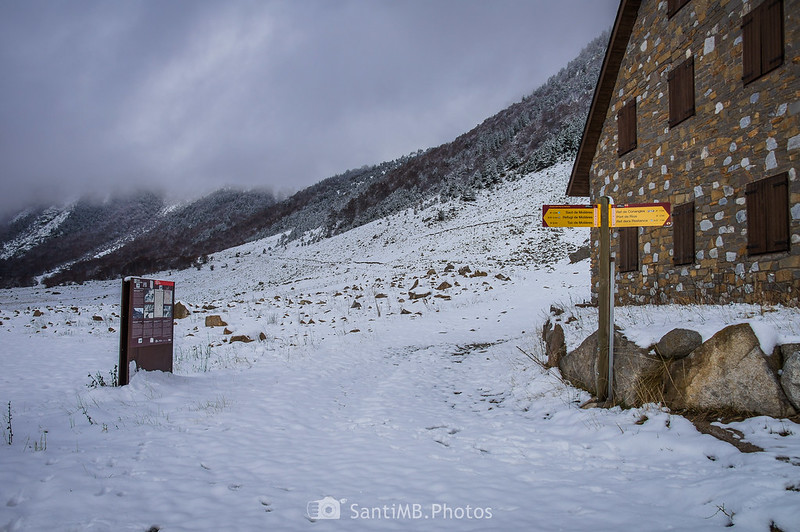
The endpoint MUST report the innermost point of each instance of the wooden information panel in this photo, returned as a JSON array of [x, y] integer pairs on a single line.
[[146, 326]]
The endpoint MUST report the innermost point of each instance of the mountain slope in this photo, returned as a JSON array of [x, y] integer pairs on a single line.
[[529, 135]]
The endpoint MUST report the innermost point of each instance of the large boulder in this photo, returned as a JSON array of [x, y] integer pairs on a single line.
[[638, 375], [579, 366], [678, 343], [790, 379], [728, 374], [215, 320]]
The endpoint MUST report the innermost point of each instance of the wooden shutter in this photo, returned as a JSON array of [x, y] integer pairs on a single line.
[[768, 215], [681, 92], [683, 233], [762, 40], [673, 6], [771, 35], [777, 223], [626, 127], [628, 249], [751, 43]]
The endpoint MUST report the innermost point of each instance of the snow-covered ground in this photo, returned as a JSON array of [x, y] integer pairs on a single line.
[[389, 412]]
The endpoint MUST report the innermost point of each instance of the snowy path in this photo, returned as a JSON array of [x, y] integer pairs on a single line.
[[436, 416]]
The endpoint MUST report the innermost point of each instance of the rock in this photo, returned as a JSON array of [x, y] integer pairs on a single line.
[[404, 311], [355, 304], [464, 270], [414, 295], [97, 318], [555, 346], [215, 320], [431, 272], [582, 253], [479, 273], [37, 313], [241, 338], [638, 375], [227, 331], [727, 374], [444, 286], [381, 296], [262, 336], [502, 277], [449, 267], [579, 365], [790, 379], [179, 311], [556, 311], [678, 343]]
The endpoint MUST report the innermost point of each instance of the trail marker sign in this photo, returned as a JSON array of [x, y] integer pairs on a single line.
[[625, 215], [146, 326], [606, 215]]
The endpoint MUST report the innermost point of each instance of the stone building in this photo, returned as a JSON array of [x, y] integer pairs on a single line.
[[698, 105]]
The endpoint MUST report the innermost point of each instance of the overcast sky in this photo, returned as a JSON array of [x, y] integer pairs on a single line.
[[188, 96]]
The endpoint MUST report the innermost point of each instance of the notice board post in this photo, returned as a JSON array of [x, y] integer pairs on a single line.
[[146, 326]]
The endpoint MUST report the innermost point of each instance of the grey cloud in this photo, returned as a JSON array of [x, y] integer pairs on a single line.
[[188, 96]]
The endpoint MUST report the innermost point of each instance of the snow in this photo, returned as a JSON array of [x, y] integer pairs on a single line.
[[44, 227], [429, 419]]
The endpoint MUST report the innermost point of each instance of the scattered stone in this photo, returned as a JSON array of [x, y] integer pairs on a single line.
[[444, 286], [381, 296], [110, 329], [404, 311], [582, 253], [431, 272], [355, 330], [479, 273], [556, 311], [227, 331], [442, 296], [262, 336], [37, 313], [305, 302], [241, 338], [97, 318], [208, 307], [555, 346], [464, 270], [502, 277], [678, 343], [449, 268], [215, 320], [355, 304], [413, 295], [179, 311], [728, 373]]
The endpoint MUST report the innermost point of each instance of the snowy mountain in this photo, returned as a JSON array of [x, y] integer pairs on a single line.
[[139, 234], [388, 386]]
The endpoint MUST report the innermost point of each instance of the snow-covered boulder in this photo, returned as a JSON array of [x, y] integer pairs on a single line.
[[728, 373]]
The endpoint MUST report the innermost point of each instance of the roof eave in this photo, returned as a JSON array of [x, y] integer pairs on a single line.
[[618, 42]]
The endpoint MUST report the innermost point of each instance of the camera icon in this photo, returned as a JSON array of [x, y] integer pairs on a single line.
[[325, 508]]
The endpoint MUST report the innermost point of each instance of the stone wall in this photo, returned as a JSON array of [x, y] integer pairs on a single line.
[[739, 134]]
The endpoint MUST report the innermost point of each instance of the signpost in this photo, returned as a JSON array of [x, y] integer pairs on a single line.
[[605, 216], [146, 326]]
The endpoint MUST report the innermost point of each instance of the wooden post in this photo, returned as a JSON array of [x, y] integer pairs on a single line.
[[604, 293]]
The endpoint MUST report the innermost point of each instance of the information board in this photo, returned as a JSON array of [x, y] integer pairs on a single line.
[[147, 326]]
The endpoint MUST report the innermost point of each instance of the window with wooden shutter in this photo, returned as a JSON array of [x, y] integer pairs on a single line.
[[626, 127], [683, 233], [628, 260], [681, 92], [768, 215], [673, 6], [762, 40]]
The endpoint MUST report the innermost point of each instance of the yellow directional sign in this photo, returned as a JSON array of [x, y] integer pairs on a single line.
[[641, 215], [626, 215], [569, 216]]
